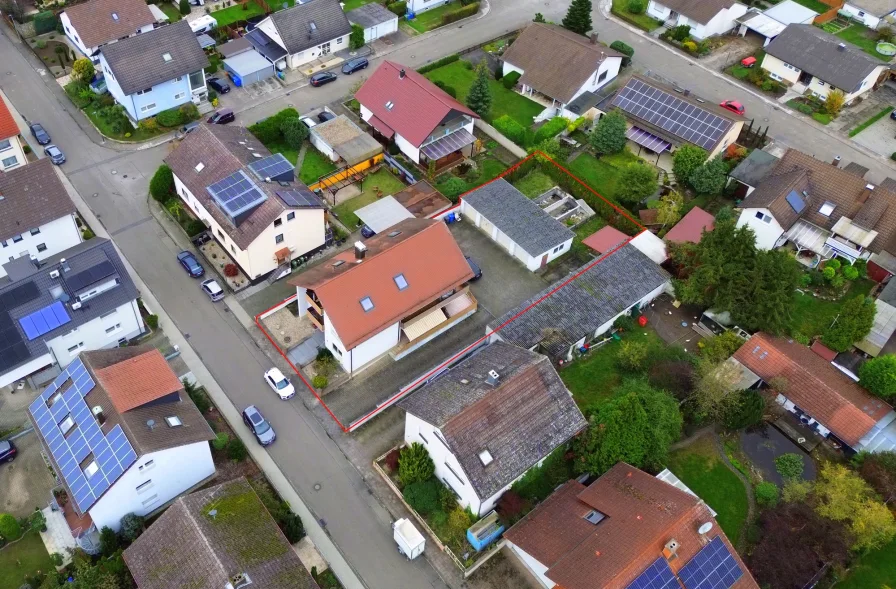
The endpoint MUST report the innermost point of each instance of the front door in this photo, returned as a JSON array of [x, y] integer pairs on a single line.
[[544, 260], [325, 48], [805, 78]]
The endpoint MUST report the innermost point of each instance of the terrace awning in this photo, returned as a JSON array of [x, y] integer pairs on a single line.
[[384, 129], [416, 327], [648, 140], [447, 144]]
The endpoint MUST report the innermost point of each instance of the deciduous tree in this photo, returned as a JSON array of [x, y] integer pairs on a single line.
[[834, 101], [479, 98], [854, 323], [685, 160], [608, 135], [721, 347], [636, 182], [879, 471], [83, 70], [715, 393], [845, 497], [294, 132], [878, 375], [578, 17], [668, 208], [710, 177]]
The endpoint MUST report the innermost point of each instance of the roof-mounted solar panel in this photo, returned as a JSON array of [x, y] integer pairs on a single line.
[[714, 567], [44, 321], [236, 194], [272, 166], [796, 202]]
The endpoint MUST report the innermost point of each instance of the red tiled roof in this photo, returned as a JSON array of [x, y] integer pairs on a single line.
[[138, 380], [384, 129], [814, 385], [605, 239], [8, 126], [691, 227], [419, 105]]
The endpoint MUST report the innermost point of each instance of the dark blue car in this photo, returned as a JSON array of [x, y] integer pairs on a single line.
[[190, 264], [353, 65]]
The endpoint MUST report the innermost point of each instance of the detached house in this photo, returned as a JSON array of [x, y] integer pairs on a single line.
[[425, 123], [706, 18], [627, 530], [561, 69], [95, 23], [155, 71], [122, 436], [389, 295], [872, 13], [810, 59], [298, 35], [251, 200], [12, 152], [489, 419]]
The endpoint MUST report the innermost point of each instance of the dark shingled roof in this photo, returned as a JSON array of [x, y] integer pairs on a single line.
[[310, 24], [95, 25], [819, 53], [32, 195], [187, 547], [138, 62], [519, 421], [701, 11], [754, 168], [518, 217], [370, 15], [856, 169], [605, 288]]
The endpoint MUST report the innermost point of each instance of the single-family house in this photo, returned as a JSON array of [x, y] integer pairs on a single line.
[[211, 539], [561, 69], [388, 295], [376, 20], [769, 23], [250, 199], [93, 24], [489, 419], [424, 122], [691, 227], [819, 393], [343, 141], [884, 321], [662, 118], [825, 211], [155, 71], [626, 530], [122, 436], [422, 200], [298, 35], [558, 321], [811, 59], [751, 171], [872, 13], [37, 217], [416, 6], [707, 18], [517, 224], [12, 151]]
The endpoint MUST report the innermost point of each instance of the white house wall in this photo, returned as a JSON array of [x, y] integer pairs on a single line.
[[298, 59], [767, 234], [380, 30], [537, 569], [658, 11], [365, 352], [15, 151], [408, 148], [123, 323], [867, 19], [56, 236], [267, 27], [323, 147], [424, 5], [721, 23], [170, 471]]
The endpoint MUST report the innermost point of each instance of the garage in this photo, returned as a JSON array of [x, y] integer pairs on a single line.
[[248, 67], [376, 20]]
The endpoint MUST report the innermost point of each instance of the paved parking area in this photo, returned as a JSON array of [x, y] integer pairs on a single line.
[[243, 96], [25, 483], [879, 137]]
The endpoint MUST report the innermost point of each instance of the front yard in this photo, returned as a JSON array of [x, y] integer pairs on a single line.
[[380, 183], [23, 558], [431, 19], [237, 12], [642, 21]]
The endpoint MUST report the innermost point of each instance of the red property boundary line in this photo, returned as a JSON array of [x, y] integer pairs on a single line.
[[391, 400]]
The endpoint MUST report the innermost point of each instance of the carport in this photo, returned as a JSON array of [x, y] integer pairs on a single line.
[[248, 67], [383, 214]]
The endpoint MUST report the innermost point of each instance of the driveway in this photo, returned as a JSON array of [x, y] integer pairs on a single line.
[[879, 137], [25, 483]]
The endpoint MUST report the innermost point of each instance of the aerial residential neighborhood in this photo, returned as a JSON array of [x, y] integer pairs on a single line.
[[448, 294]]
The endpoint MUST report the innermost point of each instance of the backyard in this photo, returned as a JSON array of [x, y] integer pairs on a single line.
[[25, 557], [602, 173], [380, 183], [642, 21], [874, 569], [431, 19], [813, 315], [816, 5], [863, 38], [315, 165], [170, 11], [236, 13], [534, 183], [488, 168]]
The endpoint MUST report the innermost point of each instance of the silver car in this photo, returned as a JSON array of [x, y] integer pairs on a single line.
[[212, 289], [263, 431]]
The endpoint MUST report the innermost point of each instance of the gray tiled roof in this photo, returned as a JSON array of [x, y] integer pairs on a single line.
[[754, 168], [818, 52], [518, 217], [606, 288], [370, 15], [295, 24], [878, 8], [31, 196], [138, 62], [519, 421]]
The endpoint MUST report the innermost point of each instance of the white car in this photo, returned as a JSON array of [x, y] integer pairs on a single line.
[[212, 289], [309, 122], [279, 383]]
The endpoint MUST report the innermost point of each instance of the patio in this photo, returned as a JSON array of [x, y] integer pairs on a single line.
[[673, 322]]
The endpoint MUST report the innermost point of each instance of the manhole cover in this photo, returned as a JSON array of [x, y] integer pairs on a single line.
[[317, 486], [114, 172], [124, 176], [287, 339], [96, 194]]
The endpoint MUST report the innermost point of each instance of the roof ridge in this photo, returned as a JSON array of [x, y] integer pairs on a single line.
[[440, 96], [202, 535], [502, 383]]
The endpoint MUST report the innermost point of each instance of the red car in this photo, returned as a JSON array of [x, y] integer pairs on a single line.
[[734, 106]]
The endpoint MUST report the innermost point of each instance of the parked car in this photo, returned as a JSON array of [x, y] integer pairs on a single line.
[[43, 138], [309, 122], [190, 264], [734, 106], [477, 271], [367, 232], [280, 384], [189, 128], [263, 431], [322, 78], [353, 65], [218, 85], [55, 154], [212, 289], [8, 451], [893, 115], [222, 117], [325, 116]]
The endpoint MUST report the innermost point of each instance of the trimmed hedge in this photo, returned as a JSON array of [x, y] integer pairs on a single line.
[[44, 22], [170, 118], [510, 80], [270, 130], [449, 90], [438, 63], [625, 50], [551, 129], [456, 15], [399, 8], [511, 129]]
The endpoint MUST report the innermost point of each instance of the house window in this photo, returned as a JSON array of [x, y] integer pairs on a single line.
[[74, 349], [775, 76], [278, 238], [148, 107], [390, 105], [145, 91], [557, 249], [147, 465], [151, 500], [339, 41], [440, 438], [820, 83], [400, 281], [35, 231], [861, 13], [457, 476], [602, 76], [5, 144], [17, 239], [10, 162], [179, 79], [4, 243], [233, 249], [447, 484], [290, 216], [367, 304], [166, 57], [278, 222], [173, 421], [91, 469], [827, 208], [221, 234], [109, 314], [422, 437], [144, 486], [336, 350], [763, 217], [113, 329], [66, 424], [179, 95], [41, 247]]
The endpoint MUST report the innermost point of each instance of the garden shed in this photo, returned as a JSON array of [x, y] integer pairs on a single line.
[[376, 20], [341, 139], [248, 67]]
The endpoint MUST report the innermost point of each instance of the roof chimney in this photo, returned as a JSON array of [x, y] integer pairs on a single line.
[[593, 38], [687, 92], [401, 74], [841, 47], [493, 378], [670, 550], [836, 162], [360, 250], [98, 413], [866, 192]]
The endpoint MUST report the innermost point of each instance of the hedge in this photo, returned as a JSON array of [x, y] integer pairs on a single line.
[[170, 118], [456, 15], [399, 8], [449, 90], [438, 63], [511, 129], [269, 130], [44, 22], [551, 129], [625, 50], [510, 80]]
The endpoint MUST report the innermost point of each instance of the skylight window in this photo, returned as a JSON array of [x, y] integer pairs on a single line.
[[166, 57], [200, 166], [594, 516], [394, 233], [91, 469], [338, 263], [827, 208], [173, 421], [366, 304], [114, 16], [67, 424], [401, 282], [390, 105], [485, 457]]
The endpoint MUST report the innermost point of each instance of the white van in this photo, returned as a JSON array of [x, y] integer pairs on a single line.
[[203, 24]]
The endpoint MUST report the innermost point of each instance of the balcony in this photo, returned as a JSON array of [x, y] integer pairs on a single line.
[[429, 322], [317, 319], [844, 248]]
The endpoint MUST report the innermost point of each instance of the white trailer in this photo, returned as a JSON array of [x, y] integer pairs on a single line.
[[410, 541]]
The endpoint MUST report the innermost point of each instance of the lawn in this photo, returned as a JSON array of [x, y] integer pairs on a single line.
[[25, 557], [432, 19], [642, 21], [489, 169], [288, 152], [867, 123], [382, 179], [136, 135], [863, 38], [819, 7], [702, 470], [621, 159], [535, 183], [811, 315], [597, 174], [872, 570], [315, 165], [236, 13], [170, 11], [352, 4], [504, 101]]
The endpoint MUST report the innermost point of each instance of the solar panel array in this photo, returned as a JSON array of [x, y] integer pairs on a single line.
[[44, 321], [236, 193], [113, 452], [271, 166], [657, 576], [670, 113], [299, 197], [12, 347], [712, 568], [81, 280]]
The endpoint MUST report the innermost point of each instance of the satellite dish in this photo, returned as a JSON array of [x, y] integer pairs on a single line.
[[213, 513], [150, 423], [705, 528]]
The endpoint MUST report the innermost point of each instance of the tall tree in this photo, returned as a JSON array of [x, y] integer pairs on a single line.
[[710, 177], [879, 470], [770, 287], [854, 322], [668, 208], [716, 394], [685, 160], [636, 182], [356, 38], [578, 17], [608, 135], [479, 98], [878, 375], [843, 496]]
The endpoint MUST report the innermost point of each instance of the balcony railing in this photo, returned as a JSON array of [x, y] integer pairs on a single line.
[[845, 249], [448, 130]]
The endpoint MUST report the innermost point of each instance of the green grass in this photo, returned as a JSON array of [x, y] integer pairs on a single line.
[[432, 19], [864, 125], [326, 579], [235, 13], [822, 117], [315, 165], [872, 570], [288, 152], [811, 315], [170, 11], [383, 179], [819, 7], [137, 134], [621, 159], [597, 174], [642, 21], [352, 4], [535, 183], [504, 101], [489, 169], [862, 37], [702, 470], [25, 557]]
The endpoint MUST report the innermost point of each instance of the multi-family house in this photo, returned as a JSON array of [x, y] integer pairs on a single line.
[[706, 18], [92, 24], [12, 151]]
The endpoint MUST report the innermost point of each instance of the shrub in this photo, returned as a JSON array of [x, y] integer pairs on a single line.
[[44, 22], [423, 496], [850, 273], [132, 525], [356, 38], [805, 108], [499, 72], [746, 413], [294, 132], [885, 33], [624, 323], [108, 541], [510, 80], [458, 522], [415, 465], [625, 49], [236, 450], [447, 499], [399, 8], [680, 33], [197, 395], [789, 466], [292, 527], [690, 47], [392, 460], [9, 527], [453, 188], [231, 270], [80, 95], [83, 70], [456, 15], [184, 6], [893, 156], [509, 128], [319, 382], [220, 441], [720, 348], [26, 148], [152, 321], [631, 355], [637, 6], [766, 494], [148, 124], [173, 117], [438, 63], [449, 90], [270, 130], [56, 559], [551, 129]]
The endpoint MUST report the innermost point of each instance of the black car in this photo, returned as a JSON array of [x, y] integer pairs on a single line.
[[43, 138], [353, 65], [263, 431], [55, 154], [477, 271], [322, 78], [218, 85], [222, 117], [8, 451], [325, 116], [190, 264], [893, 115]]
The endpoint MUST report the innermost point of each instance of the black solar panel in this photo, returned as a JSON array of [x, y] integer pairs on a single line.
[[271, 166], [13, 350], [81, 280], [299, 197]]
